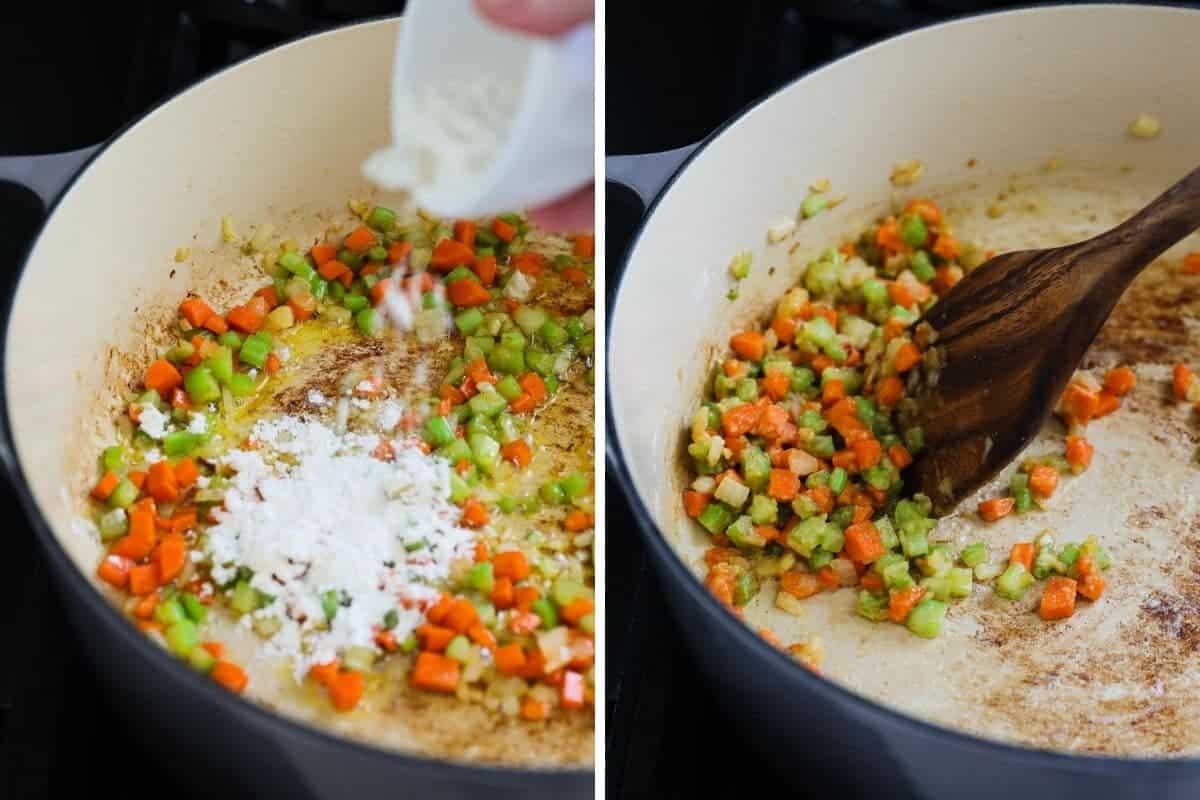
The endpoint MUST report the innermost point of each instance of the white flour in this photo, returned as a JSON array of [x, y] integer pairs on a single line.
[[450, 134], [312, 511]]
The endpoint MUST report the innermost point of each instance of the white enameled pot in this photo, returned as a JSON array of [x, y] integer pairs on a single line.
[[978, 101], [276, 139]]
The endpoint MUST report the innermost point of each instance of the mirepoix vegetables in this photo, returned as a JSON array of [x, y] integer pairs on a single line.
[[514, 627], [798, 449]]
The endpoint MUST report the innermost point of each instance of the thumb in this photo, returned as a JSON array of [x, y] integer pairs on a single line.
[[539, 17]]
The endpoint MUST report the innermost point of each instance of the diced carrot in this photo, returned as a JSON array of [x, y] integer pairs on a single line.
[[783, 485], [162, 377], [216, 649], [823, 497], [900, 456], [509, 659], [1022, 553], [575, 276], [946, 246], [1058, 598], [740, 419], [867, 452], [863, 543], [462, 615], [907, 357], [195, 311], [889, 390], [577, 521], [467, 293], [534, 386], [435, 673], [832, 391], [502, 593], [272, 365], [776, 385], [449, 253], [217, 324], [517, 452], [268, 294], [137, 477], [827, 577], [145, 608], [324, 674], [434, 637], [359, 240], [1120, 381], [522, 404], [1043, 480], [1080, 403], [322, 253], [331, 270], [114, 570], [1191, 263], [161, 483], [303, 307], [845, 459], [464, 231], [504, 230], [485, 268], [785, 329], [480, 635], [1083, 566], [871, 581], [437, 612], [245, 319], [1079, 453], [474, 513], [511, 564], [902, 601], [143, 579], [346, 689], [140, 539], [995, 508], [1106, 403], [529, 262], [925, 209], [1091, 586], [750, 345], [105, 486], [397, 251], [186, 472], [576, 610], [584, 246], [799, 584], [900, 294], [889, 238], [533, 709], [229, 675], [1181, 380], [171, 555]]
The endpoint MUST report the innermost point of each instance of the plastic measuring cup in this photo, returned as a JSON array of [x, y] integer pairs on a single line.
[[541, 140]]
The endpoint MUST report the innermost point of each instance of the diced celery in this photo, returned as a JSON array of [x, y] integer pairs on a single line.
[[1014, 582], [925, 620], [974, 554], [872, 606], [763, 510], [716, 517]]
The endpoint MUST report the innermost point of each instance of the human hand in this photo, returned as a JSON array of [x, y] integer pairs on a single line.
[[575, 211]]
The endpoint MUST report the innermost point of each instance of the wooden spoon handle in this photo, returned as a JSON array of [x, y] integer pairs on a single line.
[[1147, 234]]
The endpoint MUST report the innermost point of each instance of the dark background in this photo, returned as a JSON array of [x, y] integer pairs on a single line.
[[675, 72]]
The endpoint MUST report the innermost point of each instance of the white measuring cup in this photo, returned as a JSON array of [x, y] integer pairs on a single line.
[[484, 119]]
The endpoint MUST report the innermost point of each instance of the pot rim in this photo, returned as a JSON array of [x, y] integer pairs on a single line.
[[130, 637], [674, 573]]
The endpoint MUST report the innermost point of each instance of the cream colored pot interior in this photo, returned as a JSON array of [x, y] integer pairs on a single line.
[[983, 103]]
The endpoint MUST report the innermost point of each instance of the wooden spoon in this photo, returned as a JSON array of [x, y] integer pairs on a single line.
[[1006, 340]]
